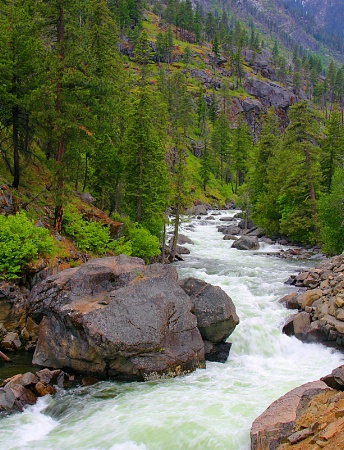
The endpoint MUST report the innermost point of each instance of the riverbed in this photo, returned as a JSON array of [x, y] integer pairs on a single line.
[[212, 408]]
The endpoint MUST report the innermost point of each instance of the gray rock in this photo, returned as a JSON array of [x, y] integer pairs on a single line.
[[182, 250], [214, 309], [336, 379], [181, 240], [270, 94], [246, 243], [116, 317], [86, 197], [217, 352]]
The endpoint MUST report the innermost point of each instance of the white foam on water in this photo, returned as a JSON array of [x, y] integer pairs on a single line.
[[208, 409]]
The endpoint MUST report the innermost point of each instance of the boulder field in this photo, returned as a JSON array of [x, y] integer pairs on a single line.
[[320, 301], [117, 317]]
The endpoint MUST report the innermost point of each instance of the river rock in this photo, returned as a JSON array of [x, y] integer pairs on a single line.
[[277, 422], [322, 298], [214, 309], [246, 243], [229, 229], [11, 341], [182, 239], [217, 352], [116, 317], [336, 379]]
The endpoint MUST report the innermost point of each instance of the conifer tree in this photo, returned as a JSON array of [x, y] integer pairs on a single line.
[[220, 142], [241, 146], [20, 52], [262, 187], [332, 148], [298, 164], [146, 184], [182, 120]]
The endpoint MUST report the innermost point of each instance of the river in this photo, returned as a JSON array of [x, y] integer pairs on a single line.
[[212, 408]]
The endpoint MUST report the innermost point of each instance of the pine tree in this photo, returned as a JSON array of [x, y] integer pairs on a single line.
[[220, 143], [181, 117], [331, 216], [108, 104], [265, 210], [332, 148], [146, 184], [298, 165], [20, 52], [241, 145]]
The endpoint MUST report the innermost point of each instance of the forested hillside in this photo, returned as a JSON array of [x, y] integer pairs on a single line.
[[154, 107]]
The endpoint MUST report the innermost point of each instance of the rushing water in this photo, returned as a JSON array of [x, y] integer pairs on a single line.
[[208, 409]]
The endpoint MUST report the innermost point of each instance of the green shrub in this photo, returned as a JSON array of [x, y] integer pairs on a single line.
[[139, 241], [143, 243], [20, 243], [89, 236]]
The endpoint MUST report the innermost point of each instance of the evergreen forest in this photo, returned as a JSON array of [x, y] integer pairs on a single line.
[[145, 107]]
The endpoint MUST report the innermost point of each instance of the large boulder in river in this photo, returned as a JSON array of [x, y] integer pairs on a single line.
[[246, 243], [214, 309], [116, 317]]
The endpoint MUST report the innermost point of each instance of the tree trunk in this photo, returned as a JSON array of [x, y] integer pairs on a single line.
[[175, 235]]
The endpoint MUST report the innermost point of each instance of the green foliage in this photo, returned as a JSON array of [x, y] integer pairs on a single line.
[[331, 216], [136, 241], [88, 236], [143, 243], [20, 243]]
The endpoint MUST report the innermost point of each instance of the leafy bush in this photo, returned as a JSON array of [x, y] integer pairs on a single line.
[[88, 236], [95, 238], [143, 243], [137, 240], [21, 242]]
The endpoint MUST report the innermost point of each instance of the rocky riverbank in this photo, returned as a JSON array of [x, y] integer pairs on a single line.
[[320, 301], [310, 417]]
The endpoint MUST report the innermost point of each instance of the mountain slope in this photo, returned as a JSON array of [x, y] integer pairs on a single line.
[[316, 25]]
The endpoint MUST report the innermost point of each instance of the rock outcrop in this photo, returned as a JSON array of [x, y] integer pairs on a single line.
[[15, 324], [271, 94], [321, 304], [307, 418], [116, 317], [277, 422]]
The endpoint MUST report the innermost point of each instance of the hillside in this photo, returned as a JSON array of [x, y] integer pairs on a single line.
[[153, 111], [314, 25]]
